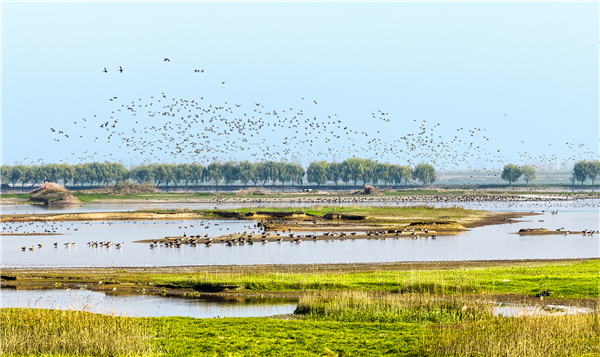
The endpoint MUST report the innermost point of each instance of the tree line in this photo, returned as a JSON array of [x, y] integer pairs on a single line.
[[366, 170], [582, 171], [257, 173]]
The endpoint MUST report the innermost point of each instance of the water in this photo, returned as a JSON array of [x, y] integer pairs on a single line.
[[515, 310], [485, 243], [147, 305], [203, 307]]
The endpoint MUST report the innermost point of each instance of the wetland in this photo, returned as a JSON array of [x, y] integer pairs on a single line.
[[412, 277]]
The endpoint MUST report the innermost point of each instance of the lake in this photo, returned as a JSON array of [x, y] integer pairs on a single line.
[[484, 243]]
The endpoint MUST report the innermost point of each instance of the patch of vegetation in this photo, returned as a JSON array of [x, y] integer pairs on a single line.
[[359, 306], [578, 280], [15, 195], [181, 336], [323, 333], [532, 336], [382, 212], [60, 332]]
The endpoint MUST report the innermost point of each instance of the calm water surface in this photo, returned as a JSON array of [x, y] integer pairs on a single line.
[[146, 305], [485, 243]]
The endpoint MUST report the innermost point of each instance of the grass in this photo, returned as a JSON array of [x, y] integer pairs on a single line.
[[15, 195], [353, 306], [577, 280], [532, 336], [180, 336], [70, 333], [61, 332], [421, 212], [463, 326], [352, 325], [361, 313]]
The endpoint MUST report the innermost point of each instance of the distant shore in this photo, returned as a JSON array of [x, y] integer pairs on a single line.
[[317, 198]]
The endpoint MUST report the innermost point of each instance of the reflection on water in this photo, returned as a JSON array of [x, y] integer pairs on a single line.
[[485, 243], [514, 310], [147, 305]]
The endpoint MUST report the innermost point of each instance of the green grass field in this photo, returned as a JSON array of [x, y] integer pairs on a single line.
[[438, 312], [577, 280]]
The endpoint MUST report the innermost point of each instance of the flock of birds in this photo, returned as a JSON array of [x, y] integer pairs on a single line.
[[167, 129], [541, 206], [266, 237]]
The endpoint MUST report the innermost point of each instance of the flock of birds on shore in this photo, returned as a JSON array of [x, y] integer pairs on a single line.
[[542, 207], [165, 129]]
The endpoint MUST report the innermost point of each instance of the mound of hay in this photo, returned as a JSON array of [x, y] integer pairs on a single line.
[[370, 190], [52, 193], [50, 186]]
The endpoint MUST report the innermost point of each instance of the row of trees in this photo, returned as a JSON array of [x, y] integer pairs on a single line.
[[367, 170], [512, 173], [582, 171], [319, 172], [80, 174], [218, 173], [259, 173]]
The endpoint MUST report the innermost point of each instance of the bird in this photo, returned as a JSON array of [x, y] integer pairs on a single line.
[[105, 71], [120, 69]]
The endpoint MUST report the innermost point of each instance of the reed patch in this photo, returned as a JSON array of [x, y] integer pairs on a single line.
[[27, 331]]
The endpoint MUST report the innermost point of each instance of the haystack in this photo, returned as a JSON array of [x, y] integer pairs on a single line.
[[370, 190], [52, 193]]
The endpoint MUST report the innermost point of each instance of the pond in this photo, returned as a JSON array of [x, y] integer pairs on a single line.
[[147, 305]]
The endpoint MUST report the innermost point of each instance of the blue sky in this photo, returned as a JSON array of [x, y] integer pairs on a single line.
[[522, 76]]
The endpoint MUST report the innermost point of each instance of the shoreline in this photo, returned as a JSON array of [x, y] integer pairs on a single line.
[[330, 197], [308, 267]]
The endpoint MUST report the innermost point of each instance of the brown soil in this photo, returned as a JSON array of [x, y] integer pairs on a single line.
[[98, 216]]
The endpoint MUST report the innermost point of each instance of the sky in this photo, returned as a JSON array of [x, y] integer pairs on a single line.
[[461, 85]]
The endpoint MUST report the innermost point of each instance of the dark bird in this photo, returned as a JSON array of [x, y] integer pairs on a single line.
[[105, 71], [120, 69], [167, 60]]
